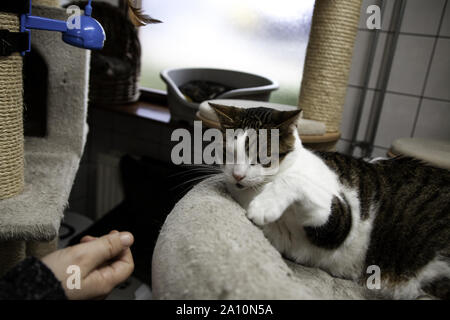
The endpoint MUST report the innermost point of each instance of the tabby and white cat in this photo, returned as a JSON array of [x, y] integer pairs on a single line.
[[343, 214]]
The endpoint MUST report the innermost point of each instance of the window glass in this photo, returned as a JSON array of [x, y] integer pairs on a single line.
[[266, 37]]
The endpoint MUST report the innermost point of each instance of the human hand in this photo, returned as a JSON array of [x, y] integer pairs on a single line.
[[104, 263]]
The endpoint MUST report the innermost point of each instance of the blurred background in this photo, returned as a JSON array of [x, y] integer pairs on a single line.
[[260, 36]]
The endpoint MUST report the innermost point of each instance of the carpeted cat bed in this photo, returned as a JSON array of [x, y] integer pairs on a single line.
[[208, 249]]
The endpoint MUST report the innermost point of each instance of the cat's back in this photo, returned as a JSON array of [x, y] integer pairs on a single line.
[[404, 190], [393, 177], [411, 221]]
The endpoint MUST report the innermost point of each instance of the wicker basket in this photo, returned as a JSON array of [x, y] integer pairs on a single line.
[[115, 70]]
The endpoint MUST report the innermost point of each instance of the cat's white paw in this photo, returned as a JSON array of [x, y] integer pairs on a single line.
[[262, 212]]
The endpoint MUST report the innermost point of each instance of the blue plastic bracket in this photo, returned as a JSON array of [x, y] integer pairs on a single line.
[[90, 35]]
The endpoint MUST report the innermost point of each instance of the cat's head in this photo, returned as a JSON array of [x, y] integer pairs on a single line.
[[274, 133]]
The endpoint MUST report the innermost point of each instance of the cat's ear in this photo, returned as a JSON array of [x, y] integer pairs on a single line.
[[226, 114], [286, 118]]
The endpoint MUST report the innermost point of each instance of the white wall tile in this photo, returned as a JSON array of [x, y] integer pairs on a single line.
[[359, 58], [438, 84], [349, 113], [377, 59], [357, 153], [379, 152], [434, 120], [342, 146], [445, 28], [410, 64], [397, 119], [386, 13], [422, 17], [365, 114], [360, 55], [386, 16]]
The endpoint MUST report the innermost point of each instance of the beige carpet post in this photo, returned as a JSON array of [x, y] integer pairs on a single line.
[[49, 3], [328, 60], [11, 253], [40, 249], [11, 117]]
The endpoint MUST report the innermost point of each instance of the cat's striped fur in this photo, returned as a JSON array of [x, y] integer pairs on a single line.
[[411, 225], [344, 214]]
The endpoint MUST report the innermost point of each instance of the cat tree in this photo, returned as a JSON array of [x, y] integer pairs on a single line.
[[36, 174]]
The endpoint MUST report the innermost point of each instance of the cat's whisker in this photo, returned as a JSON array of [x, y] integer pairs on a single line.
[[200, 165], [213, 177], [197, 170], [191, 172], [194, 180], [202, 168]]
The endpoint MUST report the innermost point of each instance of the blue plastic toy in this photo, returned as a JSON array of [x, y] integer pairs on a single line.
[[90, 35]]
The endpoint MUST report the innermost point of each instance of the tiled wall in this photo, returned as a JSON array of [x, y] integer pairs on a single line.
[[417, 101]]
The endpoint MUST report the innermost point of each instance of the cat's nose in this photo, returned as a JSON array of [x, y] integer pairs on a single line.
[[238, 177]]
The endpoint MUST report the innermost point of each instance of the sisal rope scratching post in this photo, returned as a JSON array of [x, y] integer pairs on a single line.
[[328, 60], [11, 117]]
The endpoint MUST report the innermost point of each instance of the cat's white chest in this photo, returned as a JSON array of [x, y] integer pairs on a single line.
[[242, 196]]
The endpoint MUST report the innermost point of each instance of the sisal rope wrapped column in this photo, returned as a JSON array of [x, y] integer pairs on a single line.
[[328, 60], [11, 117]]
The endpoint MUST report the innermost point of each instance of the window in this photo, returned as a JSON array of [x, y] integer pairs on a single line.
[[266, 37]]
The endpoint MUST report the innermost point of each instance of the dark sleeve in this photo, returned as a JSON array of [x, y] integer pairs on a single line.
[[31, 280]]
